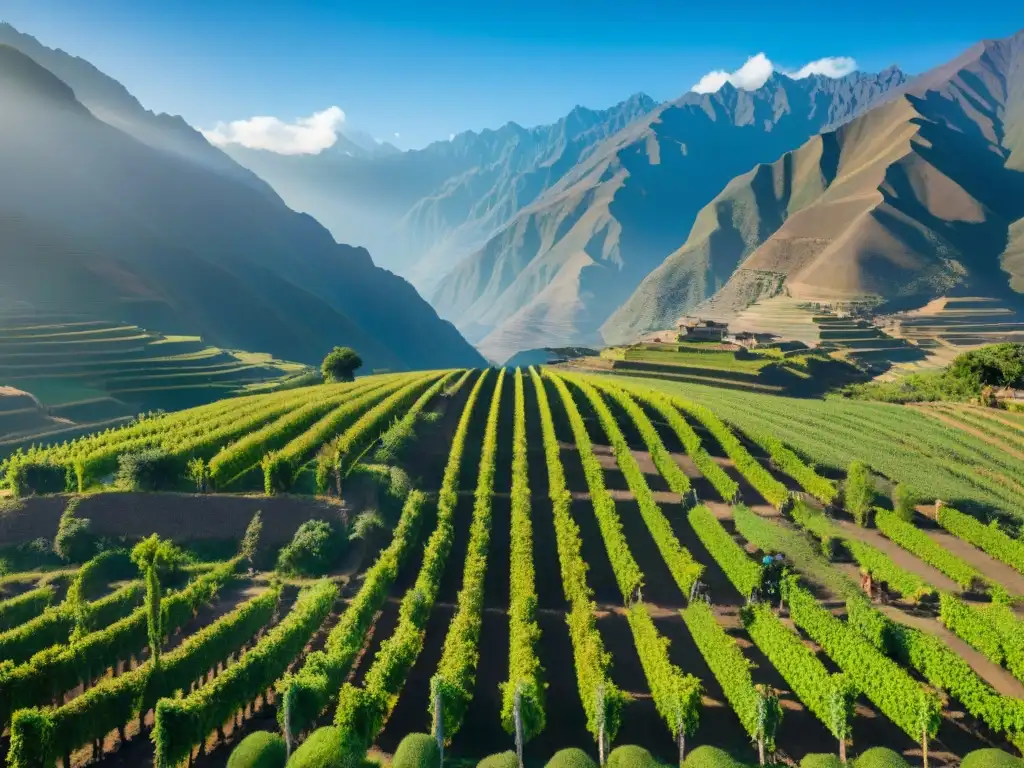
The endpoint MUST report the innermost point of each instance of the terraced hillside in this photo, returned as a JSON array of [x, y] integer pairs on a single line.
[[76, 373], [584, 550]]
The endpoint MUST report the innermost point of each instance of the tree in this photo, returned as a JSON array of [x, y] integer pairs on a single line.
[[904, 502], [151, 556], [859, 491], [251, 539], [341, 364]]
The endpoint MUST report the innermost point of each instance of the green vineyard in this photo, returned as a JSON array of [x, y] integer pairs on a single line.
[[522, 561]]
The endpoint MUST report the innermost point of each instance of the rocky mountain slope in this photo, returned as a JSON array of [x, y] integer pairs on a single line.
[[421, 211], [556, 272], [126, 215], [919, 197]]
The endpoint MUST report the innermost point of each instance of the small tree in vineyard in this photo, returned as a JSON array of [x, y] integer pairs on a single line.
[[859, 491], [842, 699], [341, 364], [153, 555], [904, 502], [769, 715], [251, 539]]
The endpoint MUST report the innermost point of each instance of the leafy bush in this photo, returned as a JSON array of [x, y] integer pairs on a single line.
[[631, 756], [991, 758], [150, 469], [314, 549], [880, 757], [904, 502], [821, 761], [25, 477], [417, 750], [321, 750], [859, 491], [367, 524], [341, 364], [571, 758], [500, 760], [74, 542], [262, 749], [710, 757]]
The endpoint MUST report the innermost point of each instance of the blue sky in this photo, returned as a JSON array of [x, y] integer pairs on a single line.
[[426, 70]]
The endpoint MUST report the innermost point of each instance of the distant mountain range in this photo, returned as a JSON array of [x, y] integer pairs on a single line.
[[113, 211]]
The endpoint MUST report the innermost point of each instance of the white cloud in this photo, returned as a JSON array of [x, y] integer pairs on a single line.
[[304, 136], [398, 135], [451, 137], [757, 69]]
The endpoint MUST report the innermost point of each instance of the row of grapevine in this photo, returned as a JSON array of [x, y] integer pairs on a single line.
[[183, 723], [674, 476], [51, 672], [684, 569], [874, 561], [988, 538], [676, 694], [913, 708], [356, 416], [41, 736], [362, 712], [601, 699], [453, 389], [310, 690], [743, 572], [25, 607], [627, 573], [919, 544], [994, 630], [774, 492], [403, 430], [789, 462], [239, 456], [726, 487], [456, 671], [940, 666], [525, 674], [729, 666], [830, 698]]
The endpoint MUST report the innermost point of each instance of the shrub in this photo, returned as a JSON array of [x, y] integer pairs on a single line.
[[341, 364], [313, 550], [323, 749], [880, 757], [991, 758], [904, 503], [74, 543], [262, 749], [25, 477], [631, 756], [417, 750], [821, 761], [500, 760], [571, 758], [710, 757], [197, 471], [859, 491], [150, 469]]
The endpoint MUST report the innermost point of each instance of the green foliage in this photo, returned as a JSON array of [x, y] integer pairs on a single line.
[[262, 749], [341, 364], [316, 684], [457, 668], [150, 469], [323, 749], [991, 758], [500, 760], [887, 685], [74, 542], [727, 663], [25, 607], [315, 548], [26, 477], [591, 660], [859, 492], [684, 569], [361, 712], [988, 538], [526, 676], [743, 572], [904, 502], [402, 433], [710, 757], [880, 757], [821, 761], [152, 556], [182, 723], [251, 538], [571, 758], [198, 473], [417, 750], [631, 756]]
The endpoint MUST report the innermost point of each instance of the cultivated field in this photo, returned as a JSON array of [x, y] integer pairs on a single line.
[[583, 545]]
